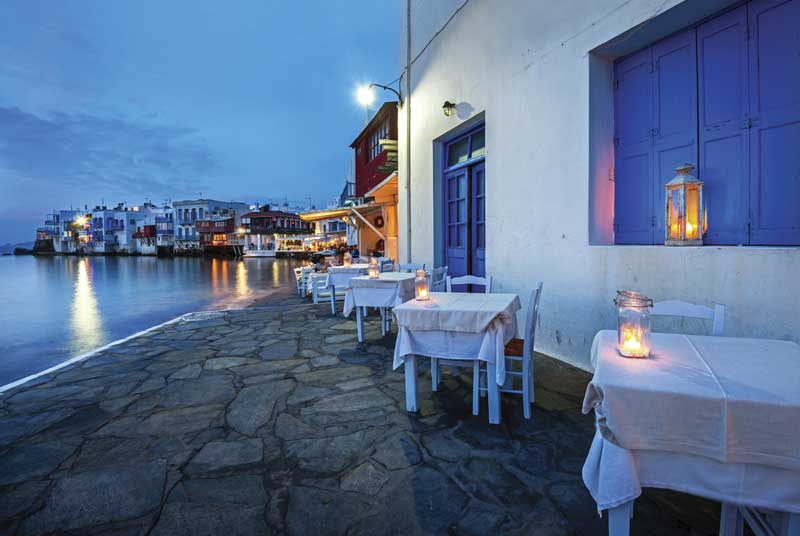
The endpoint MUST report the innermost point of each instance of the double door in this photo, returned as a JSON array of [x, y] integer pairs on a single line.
[[465, 220]]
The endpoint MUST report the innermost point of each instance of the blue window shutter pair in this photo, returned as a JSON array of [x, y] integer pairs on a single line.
[[655, 104], [743, 107]]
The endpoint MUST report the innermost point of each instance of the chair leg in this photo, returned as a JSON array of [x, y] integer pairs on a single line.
[[526, 389], [731, 522], [476, 378], [383, 321], [434, 374], [360, 323], [333, 301]]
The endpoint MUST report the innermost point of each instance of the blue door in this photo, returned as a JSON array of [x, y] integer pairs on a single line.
[[456, 226], [774, 67], [724, 133], [478, 217]]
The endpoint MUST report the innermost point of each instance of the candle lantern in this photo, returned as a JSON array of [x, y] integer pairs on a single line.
[[633, 323], [373, 271], [422, 286], [348, 259], [686, 219]]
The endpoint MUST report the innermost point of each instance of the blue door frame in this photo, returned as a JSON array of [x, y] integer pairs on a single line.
[[464, 205]]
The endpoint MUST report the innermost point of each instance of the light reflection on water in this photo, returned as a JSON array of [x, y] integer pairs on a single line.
[[58, 307]]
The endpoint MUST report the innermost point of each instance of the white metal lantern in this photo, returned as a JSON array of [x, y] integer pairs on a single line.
[[373, 271], [422, 286], [686, 219], [633, 323]]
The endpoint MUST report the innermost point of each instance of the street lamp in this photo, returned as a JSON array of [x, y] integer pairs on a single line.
[[366, 97]]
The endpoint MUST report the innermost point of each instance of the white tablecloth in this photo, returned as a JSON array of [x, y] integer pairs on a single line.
[[729, 399], [712, 416], [339, 276], [389, 290], [457, 326]]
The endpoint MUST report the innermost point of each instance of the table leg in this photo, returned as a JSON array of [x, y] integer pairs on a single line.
[[494, 393], [731, 522], [410, 367], [619, 519], [360, 323], [333, 301], [383, 321], [434, 374]]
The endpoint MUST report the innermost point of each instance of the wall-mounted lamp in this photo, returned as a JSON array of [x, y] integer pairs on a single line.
[[448, 108], [365, 96]]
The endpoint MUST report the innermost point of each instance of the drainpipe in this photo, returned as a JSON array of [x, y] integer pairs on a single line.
[[408, 130]]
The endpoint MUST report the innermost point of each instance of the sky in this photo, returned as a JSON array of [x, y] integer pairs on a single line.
[[130, 100]]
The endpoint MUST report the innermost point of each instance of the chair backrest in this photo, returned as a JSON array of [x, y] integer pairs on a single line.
[[387, 265], [439, 279], [319, 281], [531, 318], [691, 310], [410, 267], [470, 280]]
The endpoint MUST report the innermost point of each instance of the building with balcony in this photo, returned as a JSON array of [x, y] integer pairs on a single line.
[[186, 215], [263, 226]]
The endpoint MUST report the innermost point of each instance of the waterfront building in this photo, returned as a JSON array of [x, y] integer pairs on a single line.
[[260, 228], [71, 226], [145, 236], [187, 214], [541, 138], [370, 213]]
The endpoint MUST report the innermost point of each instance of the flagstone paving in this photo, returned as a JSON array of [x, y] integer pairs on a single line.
[[274, 420]]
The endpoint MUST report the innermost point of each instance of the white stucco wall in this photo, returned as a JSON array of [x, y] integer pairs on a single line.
[[526, 66]]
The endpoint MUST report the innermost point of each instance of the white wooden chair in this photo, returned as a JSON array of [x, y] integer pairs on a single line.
[[298, 278], [439, 279], [386, 265], [436, 363], [516, 351], [486, 282], [411, 268], [691, 310], [305, 273], [320, 291]]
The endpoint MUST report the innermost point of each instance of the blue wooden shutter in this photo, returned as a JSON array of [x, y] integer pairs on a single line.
[[455, 211], [633, 149], [775, 117], [674, 115], [724, 134]]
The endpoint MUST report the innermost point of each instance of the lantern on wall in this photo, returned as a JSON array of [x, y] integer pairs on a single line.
[[633, 323], [686, 219], [373, 271], [422, 286]]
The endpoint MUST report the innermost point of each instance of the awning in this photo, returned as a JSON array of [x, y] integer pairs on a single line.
[[319, 215]]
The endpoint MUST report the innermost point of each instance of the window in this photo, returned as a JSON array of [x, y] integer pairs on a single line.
[[381, 133], [724, 96], [470, 146]]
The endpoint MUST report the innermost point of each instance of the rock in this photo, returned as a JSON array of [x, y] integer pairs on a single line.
[[14, 428], [287, 427], [177, 421], [324, 361], [366, 479], [305, 393], [188, 372], [237, 489], [371, 398], [100, 496], [344, 337], [191, 393], [327, 455], [32, 460], [228, 362], [191, 519], [270, 367], [253, 406], [224, 455], [316, 511], [281, 350], [328, 377], [24, 498], [151, 385], [397, 452], [358, 383]]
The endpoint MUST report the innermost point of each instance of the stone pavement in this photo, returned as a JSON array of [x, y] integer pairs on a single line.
[[274, 420]]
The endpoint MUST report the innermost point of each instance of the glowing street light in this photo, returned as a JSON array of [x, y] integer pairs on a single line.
[[365, 96]]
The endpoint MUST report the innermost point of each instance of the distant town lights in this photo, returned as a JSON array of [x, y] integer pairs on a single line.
[[365, 96]]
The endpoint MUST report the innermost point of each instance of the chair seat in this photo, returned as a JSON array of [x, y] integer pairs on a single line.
[[514, 347]]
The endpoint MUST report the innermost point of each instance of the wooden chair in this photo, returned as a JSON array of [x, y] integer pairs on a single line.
[[411, 268], [320, 290], [386, 265], [436, 363], [305, 273], [470, 280], [298, 278], [439, 279], [516, 351], [691, 310]]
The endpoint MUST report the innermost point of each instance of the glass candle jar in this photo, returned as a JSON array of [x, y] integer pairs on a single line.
[[422, 286], [373, 271], [633, 323], [348, 259]]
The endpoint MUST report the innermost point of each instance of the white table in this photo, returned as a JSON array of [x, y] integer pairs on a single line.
[[711, 416], [339, 276], [457, 326], [389, 290]]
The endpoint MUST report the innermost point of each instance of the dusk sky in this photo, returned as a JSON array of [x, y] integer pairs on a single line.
[[122, 101]]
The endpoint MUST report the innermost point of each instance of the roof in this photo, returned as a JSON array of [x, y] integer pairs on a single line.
[[268, 214], [387, 186], [385, 108]]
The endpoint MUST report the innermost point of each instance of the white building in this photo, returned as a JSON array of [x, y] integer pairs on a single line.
[[568, 118], [188, 213]]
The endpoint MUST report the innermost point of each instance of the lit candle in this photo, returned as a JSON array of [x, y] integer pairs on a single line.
[[632, 342]]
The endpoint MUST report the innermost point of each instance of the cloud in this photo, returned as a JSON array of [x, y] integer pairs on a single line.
[[104, 156]]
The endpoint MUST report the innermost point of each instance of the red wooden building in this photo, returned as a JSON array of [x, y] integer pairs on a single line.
[[373, 161]]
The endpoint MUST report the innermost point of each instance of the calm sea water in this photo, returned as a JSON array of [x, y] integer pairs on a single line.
[[54, 308]]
